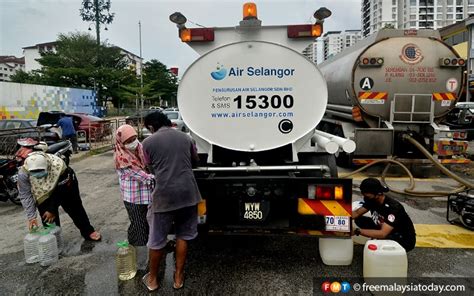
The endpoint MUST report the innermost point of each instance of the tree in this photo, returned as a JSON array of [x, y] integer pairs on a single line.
[[388, 26], [25, 77], [75, 64], [159, 82], [97, 11]]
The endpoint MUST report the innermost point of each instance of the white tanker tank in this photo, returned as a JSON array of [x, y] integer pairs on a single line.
[[252, 96], [252, 102], [392, 82]]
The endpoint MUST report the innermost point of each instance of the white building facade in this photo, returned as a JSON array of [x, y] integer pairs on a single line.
[[33, 53], [9, 65], [332, 43], [336, 41], [413, 14]]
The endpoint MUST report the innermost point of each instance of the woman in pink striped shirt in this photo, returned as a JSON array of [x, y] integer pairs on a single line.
[[136, 185]]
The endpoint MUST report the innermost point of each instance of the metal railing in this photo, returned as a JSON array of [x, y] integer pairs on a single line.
[[9, 138]]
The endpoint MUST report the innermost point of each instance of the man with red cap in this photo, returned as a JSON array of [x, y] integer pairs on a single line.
[[389, 219]]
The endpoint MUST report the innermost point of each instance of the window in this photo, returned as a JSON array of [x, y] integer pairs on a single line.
[[459, 2], [394, 2], [412, 24], [413, 2], [439, 24], [450, 9], [450, 2], [439, 16], [470, 2], [459, 17]]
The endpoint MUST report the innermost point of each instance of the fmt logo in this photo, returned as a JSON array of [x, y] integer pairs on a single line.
[[220, 72], [335, 287]]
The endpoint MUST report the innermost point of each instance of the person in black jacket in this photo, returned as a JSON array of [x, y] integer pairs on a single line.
[[389, 219]]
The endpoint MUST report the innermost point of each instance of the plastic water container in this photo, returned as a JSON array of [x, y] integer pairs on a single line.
[[385, 258], [56, 231], [126, 261], [30, 246], [47, 248], [336, 251]]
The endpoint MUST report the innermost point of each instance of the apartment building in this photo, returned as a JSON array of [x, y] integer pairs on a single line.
[[412, 14], [9, 65]]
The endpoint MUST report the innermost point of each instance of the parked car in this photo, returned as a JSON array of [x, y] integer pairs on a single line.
[[462, 118], [172, 109], [88, 125], [469, 105], [176, 120], [137, 117]]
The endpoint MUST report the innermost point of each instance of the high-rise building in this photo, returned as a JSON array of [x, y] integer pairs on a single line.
[[336, 41], [412, 14], [332, 43]]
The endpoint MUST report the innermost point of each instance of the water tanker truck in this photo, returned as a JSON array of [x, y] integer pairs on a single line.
[[394, 83], [252, 103]]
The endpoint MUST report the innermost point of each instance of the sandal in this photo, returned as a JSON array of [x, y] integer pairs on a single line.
[[94, 236], [145, 282], [177, 287]]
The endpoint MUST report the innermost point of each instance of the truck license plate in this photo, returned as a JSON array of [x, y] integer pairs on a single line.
[[337, 223], [254, 211]]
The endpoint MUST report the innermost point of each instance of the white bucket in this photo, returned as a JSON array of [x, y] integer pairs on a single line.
[[336, 251], [384, 258]]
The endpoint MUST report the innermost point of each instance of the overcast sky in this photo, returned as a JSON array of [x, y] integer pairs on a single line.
[[28, 22]]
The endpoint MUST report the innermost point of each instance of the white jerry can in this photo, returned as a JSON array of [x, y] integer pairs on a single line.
[[384, 258], [336, 251]]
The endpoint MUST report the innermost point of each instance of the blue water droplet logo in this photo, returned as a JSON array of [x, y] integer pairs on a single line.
[[220, 72]]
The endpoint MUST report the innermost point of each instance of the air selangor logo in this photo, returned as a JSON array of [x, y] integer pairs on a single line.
[[220, 72], [280, 73]]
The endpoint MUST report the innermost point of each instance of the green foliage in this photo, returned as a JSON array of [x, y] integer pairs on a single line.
[[388, 26], [78, 62], [159, 82]]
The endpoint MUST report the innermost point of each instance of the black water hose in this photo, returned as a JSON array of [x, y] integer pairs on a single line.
[[410, 189]]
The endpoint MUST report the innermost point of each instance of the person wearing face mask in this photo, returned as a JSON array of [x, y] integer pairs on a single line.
[[389, 219], [45, 182], [136, 185]]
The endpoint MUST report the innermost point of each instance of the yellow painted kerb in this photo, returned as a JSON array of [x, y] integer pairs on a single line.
[[443, 236]]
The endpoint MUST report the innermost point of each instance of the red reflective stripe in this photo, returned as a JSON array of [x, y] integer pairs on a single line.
[[318, 207]]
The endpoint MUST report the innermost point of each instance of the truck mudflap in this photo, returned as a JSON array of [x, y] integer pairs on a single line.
[[275, 204]]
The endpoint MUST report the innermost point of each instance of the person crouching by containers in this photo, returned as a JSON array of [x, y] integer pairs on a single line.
[[45, 182], [389, 219], [136, 186]]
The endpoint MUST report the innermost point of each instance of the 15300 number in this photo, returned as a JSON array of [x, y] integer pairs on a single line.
[[264, 102]]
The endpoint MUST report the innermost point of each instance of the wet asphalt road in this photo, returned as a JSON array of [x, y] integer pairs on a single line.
[[224, 265]]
